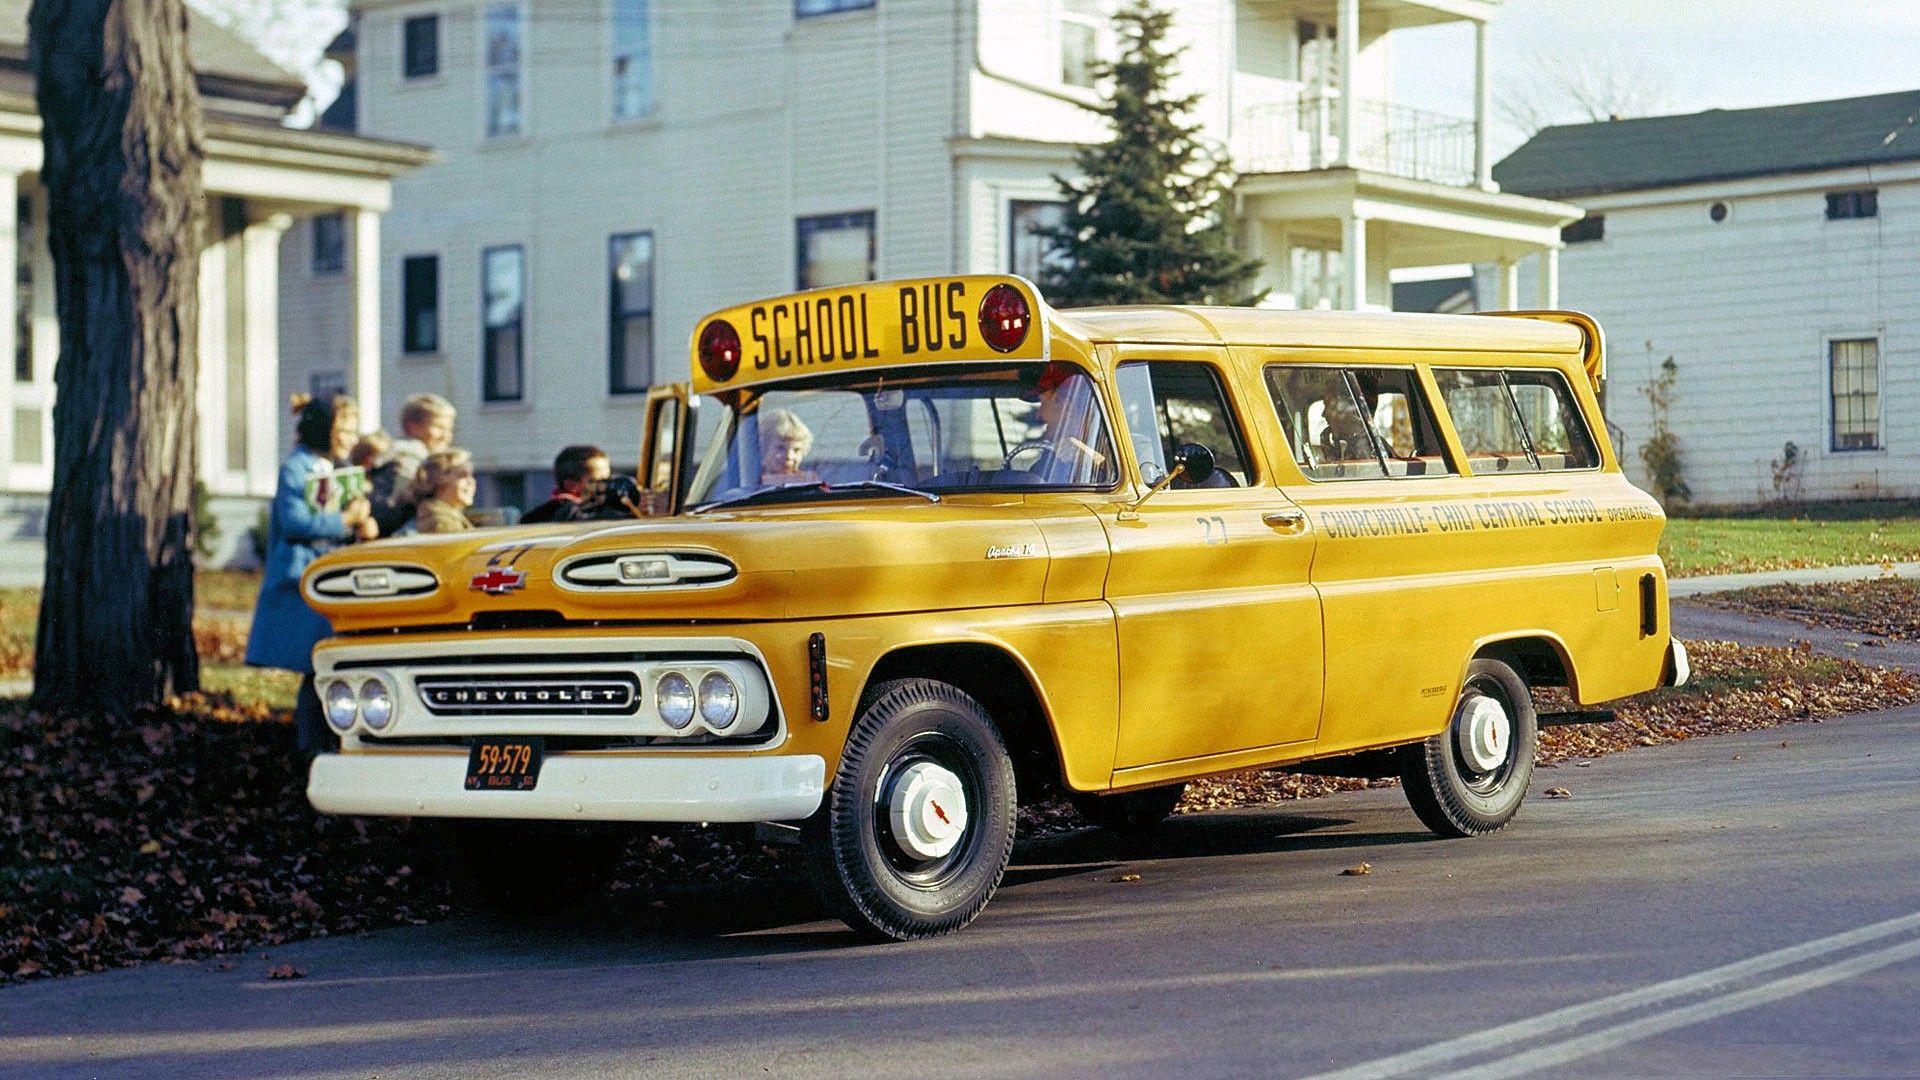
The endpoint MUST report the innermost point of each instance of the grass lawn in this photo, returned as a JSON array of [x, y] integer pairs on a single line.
[[1837, 534], [224, 603]]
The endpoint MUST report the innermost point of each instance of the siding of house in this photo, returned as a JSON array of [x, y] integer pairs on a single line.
[[760, 119], [1745, 306]]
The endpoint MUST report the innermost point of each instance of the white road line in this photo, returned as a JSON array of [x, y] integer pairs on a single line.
[[1634, 1031], [1426, 1058]]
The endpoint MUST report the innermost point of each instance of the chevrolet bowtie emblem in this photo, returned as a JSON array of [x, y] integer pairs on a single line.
[[499, 580]]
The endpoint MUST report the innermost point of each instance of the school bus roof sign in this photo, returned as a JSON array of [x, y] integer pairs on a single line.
[[967, 317]]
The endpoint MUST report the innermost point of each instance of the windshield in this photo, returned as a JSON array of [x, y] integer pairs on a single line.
[[937, 430]]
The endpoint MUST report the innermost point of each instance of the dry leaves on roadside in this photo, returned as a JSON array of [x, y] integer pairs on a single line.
[[1887, 607]]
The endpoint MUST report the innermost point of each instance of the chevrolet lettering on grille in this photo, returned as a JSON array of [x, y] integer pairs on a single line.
[[519, 695]]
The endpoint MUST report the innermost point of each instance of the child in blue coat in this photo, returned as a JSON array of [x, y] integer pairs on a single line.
[[285, 629]]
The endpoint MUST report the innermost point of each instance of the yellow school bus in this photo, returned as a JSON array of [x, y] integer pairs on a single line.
[[947, 549]]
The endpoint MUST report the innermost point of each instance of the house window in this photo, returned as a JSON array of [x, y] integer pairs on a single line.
[[1848, 205], [835, 249], [1030, 252], [1080, 22], [1854, 366], [1586, 230], [329, 243], [506, 76], [420, 304], [503, 304], [804, 8], [24, 240], [630, 307], [632, 60], [420, 46]]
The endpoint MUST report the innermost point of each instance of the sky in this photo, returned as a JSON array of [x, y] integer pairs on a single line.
[[1710, 53]]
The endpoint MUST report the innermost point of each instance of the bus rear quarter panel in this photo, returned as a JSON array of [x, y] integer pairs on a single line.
[[1418, 575]]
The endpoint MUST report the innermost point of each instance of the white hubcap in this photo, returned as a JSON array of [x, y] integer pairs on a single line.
[[928, 810], [1485, 732]]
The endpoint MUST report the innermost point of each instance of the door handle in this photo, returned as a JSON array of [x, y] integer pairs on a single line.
[[1290, 520]]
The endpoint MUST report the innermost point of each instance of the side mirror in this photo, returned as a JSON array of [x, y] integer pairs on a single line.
[[1194, 463]]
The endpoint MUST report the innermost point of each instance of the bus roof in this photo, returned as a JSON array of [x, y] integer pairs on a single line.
[[946, 319]]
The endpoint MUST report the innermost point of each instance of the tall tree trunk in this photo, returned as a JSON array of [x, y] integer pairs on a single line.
[[122, 133]]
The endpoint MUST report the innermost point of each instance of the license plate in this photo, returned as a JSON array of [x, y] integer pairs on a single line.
[[505, 763]]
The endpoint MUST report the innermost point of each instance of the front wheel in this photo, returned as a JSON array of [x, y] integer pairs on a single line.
[[1470, 778], [918, 824]]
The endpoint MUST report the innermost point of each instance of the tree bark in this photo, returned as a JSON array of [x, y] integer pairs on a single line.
[[121, 128]]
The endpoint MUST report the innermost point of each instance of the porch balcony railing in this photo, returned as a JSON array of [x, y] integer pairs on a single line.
[[1304, 134]]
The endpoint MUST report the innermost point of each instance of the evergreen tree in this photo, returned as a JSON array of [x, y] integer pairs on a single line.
[[1150, 221]]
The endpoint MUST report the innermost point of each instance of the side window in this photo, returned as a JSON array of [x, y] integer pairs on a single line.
[[1170, 403], [1357, 423], [1400, 421], [1524, 420], [1553, 420]]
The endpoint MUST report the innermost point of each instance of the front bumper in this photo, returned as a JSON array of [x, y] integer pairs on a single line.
[[574, 787]]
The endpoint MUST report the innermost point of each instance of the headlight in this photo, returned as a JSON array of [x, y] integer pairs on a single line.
[[376, 703], [719, 700], [673, 697], [341, 707]]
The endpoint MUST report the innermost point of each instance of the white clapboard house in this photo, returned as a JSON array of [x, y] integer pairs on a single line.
[[262, 180], [611, 169], [1774, 254]]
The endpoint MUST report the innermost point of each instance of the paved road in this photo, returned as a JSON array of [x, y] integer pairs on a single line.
[[1240, 951]]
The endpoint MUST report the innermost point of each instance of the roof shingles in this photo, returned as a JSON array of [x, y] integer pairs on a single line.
[[1719, 144]]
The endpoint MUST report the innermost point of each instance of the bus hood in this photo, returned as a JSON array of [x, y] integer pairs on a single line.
[[855, 558]]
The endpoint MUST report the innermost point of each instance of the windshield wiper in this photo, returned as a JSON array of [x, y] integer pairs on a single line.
[[814, 485], [756, 496], [882, 485]]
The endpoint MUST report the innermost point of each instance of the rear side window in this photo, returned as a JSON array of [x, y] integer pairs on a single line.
[[1517, 419], [1171, 403], [1357, 423]]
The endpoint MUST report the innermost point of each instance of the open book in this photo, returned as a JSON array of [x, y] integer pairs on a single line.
[[334, 490]]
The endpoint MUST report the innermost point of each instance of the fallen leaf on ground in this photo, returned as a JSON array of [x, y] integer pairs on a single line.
[[1126, 877], [1356, 871], [286, 971], [1558, 793]]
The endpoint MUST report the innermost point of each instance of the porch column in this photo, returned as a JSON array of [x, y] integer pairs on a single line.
[[9, 259], [1347, 41], [1353, 244], [260, 352], [1482, 109], [1509, 285], [1550, 277], [365, 228]]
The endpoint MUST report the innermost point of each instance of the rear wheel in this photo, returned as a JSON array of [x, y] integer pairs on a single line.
[[1470, 778], [918, 824], [1130, 813], [523, 868]]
